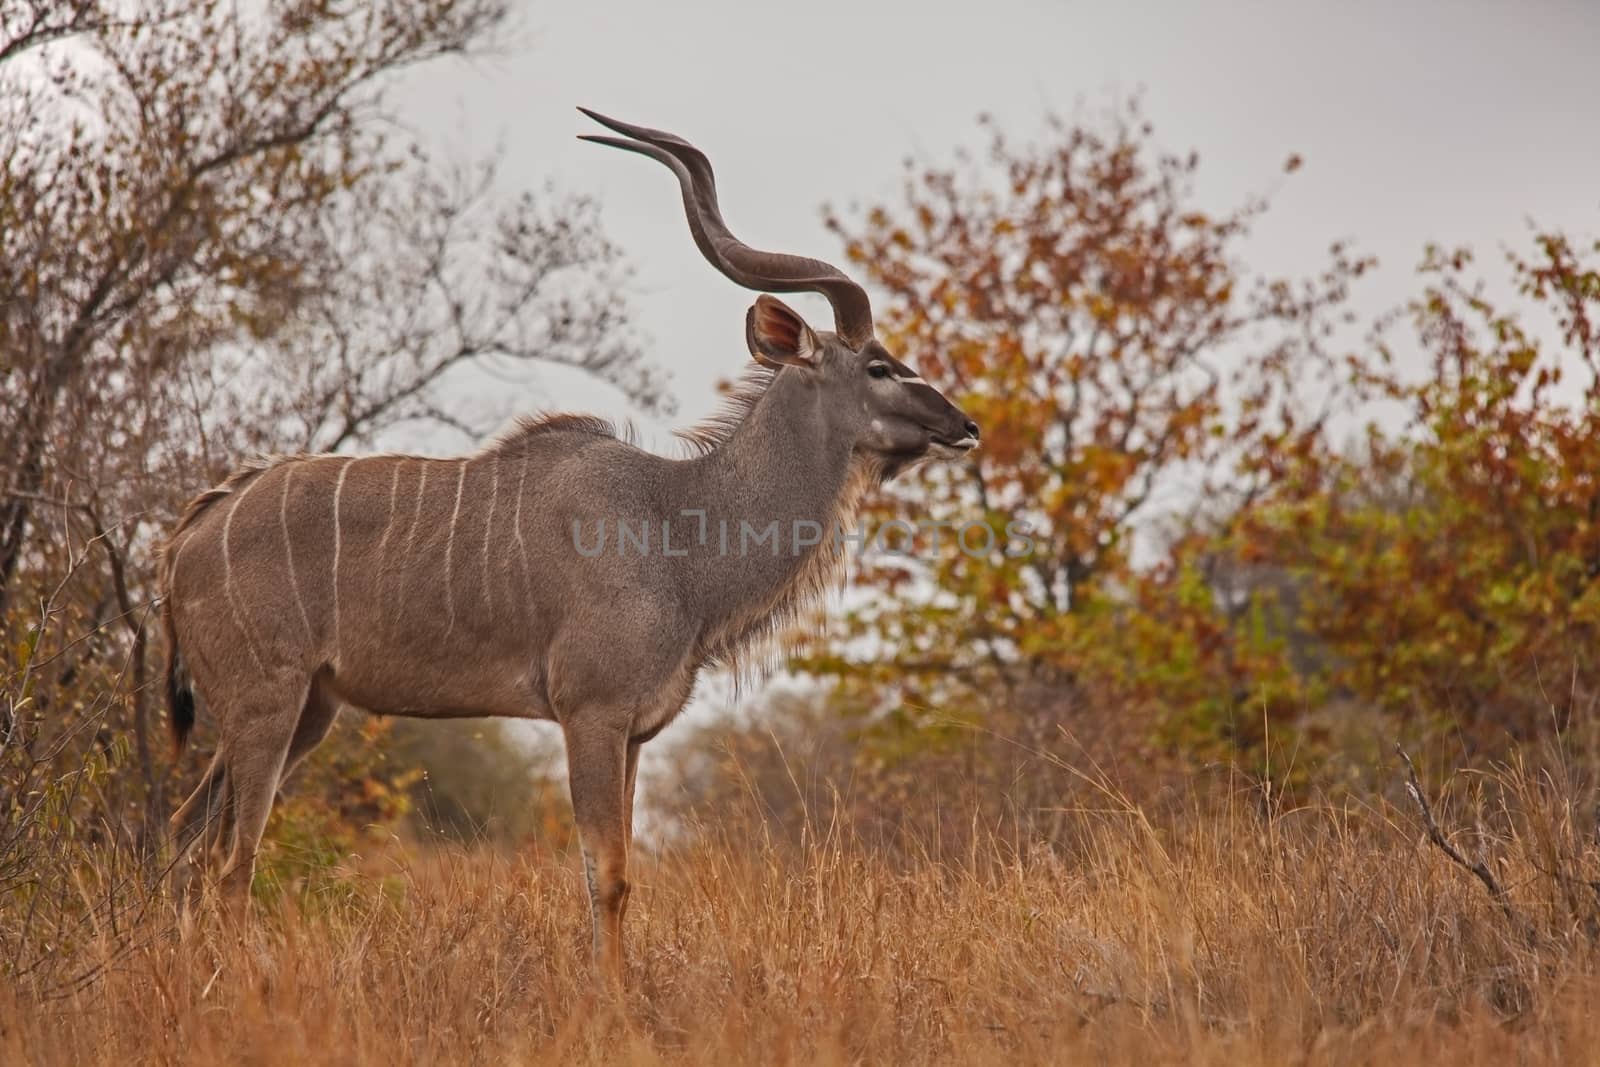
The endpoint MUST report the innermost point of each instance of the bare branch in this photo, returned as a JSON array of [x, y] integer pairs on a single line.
[[1477, 867], [31, 24]]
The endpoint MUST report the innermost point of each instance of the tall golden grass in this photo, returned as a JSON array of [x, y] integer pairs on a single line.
[[1234, 931]]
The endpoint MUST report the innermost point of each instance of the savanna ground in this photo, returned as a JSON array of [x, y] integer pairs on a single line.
[[1237, 931]]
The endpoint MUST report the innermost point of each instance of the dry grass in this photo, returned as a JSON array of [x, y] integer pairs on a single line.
[[1310, 936]]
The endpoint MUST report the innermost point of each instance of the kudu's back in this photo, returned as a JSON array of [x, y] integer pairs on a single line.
[[410, 585]]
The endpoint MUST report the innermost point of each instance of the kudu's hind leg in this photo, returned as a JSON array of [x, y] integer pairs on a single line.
[[597, 759], [195, 820], [217, 842], [629, 775], [316, 719], [259, 729]]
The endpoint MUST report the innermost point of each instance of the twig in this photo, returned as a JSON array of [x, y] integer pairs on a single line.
[[1436, 835]]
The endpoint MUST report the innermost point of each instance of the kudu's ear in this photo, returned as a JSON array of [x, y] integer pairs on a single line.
[[778, 336]]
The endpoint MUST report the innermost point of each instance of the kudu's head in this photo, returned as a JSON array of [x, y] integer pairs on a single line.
[[869, 398]]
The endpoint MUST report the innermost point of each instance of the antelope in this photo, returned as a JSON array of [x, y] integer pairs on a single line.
[[444, 588]]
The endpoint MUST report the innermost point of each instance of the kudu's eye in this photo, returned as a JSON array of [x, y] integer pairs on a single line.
[[878, 369]]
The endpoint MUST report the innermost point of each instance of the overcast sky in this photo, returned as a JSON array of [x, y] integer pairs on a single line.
[[1456, 122]]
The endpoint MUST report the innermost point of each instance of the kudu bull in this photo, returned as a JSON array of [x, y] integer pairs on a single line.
[[468, 587]]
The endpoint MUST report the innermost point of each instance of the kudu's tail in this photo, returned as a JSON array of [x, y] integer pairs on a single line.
[[180, 697]]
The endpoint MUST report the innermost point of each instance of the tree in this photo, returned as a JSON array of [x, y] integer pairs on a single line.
[[1450, 570], [215, 241], [1094, 319]]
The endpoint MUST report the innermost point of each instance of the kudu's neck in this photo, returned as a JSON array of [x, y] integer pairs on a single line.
[[779, 467]]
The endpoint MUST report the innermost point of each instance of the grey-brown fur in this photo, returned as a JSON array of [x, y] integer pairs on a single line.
[[455, 587]]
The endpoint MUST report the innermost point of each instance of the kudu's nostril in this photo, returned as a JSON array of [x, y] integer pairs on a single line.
[[972, 428]]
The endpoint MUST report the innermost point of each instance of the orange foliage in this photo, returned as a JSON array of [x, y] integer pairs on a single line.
[[1076, 300], [1448, 573], [1207, 556]]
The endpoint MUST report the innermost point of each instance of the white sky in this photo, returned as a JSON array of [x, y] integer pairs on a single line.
[[1451, 121]]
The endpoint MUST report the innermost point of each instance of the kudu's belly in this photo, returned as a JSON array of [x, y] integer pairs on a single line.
[[428, 688]]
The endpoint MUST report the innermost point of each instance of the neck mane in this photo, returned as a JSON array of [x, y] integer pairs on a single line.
[[766, 455], [739, 400]]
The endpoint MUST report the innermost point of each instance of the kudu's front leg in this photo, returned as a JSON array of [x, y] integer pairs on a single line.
[[597, 768]]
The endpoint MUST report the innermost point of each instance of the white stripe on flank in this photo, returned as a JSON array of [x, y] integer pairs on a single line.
[[416, 514], [227, 572], [394, 490], [338, 491], [227, 556], [488, 534], [288, 548], [177, 557], [516, 525], [449, 547]]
